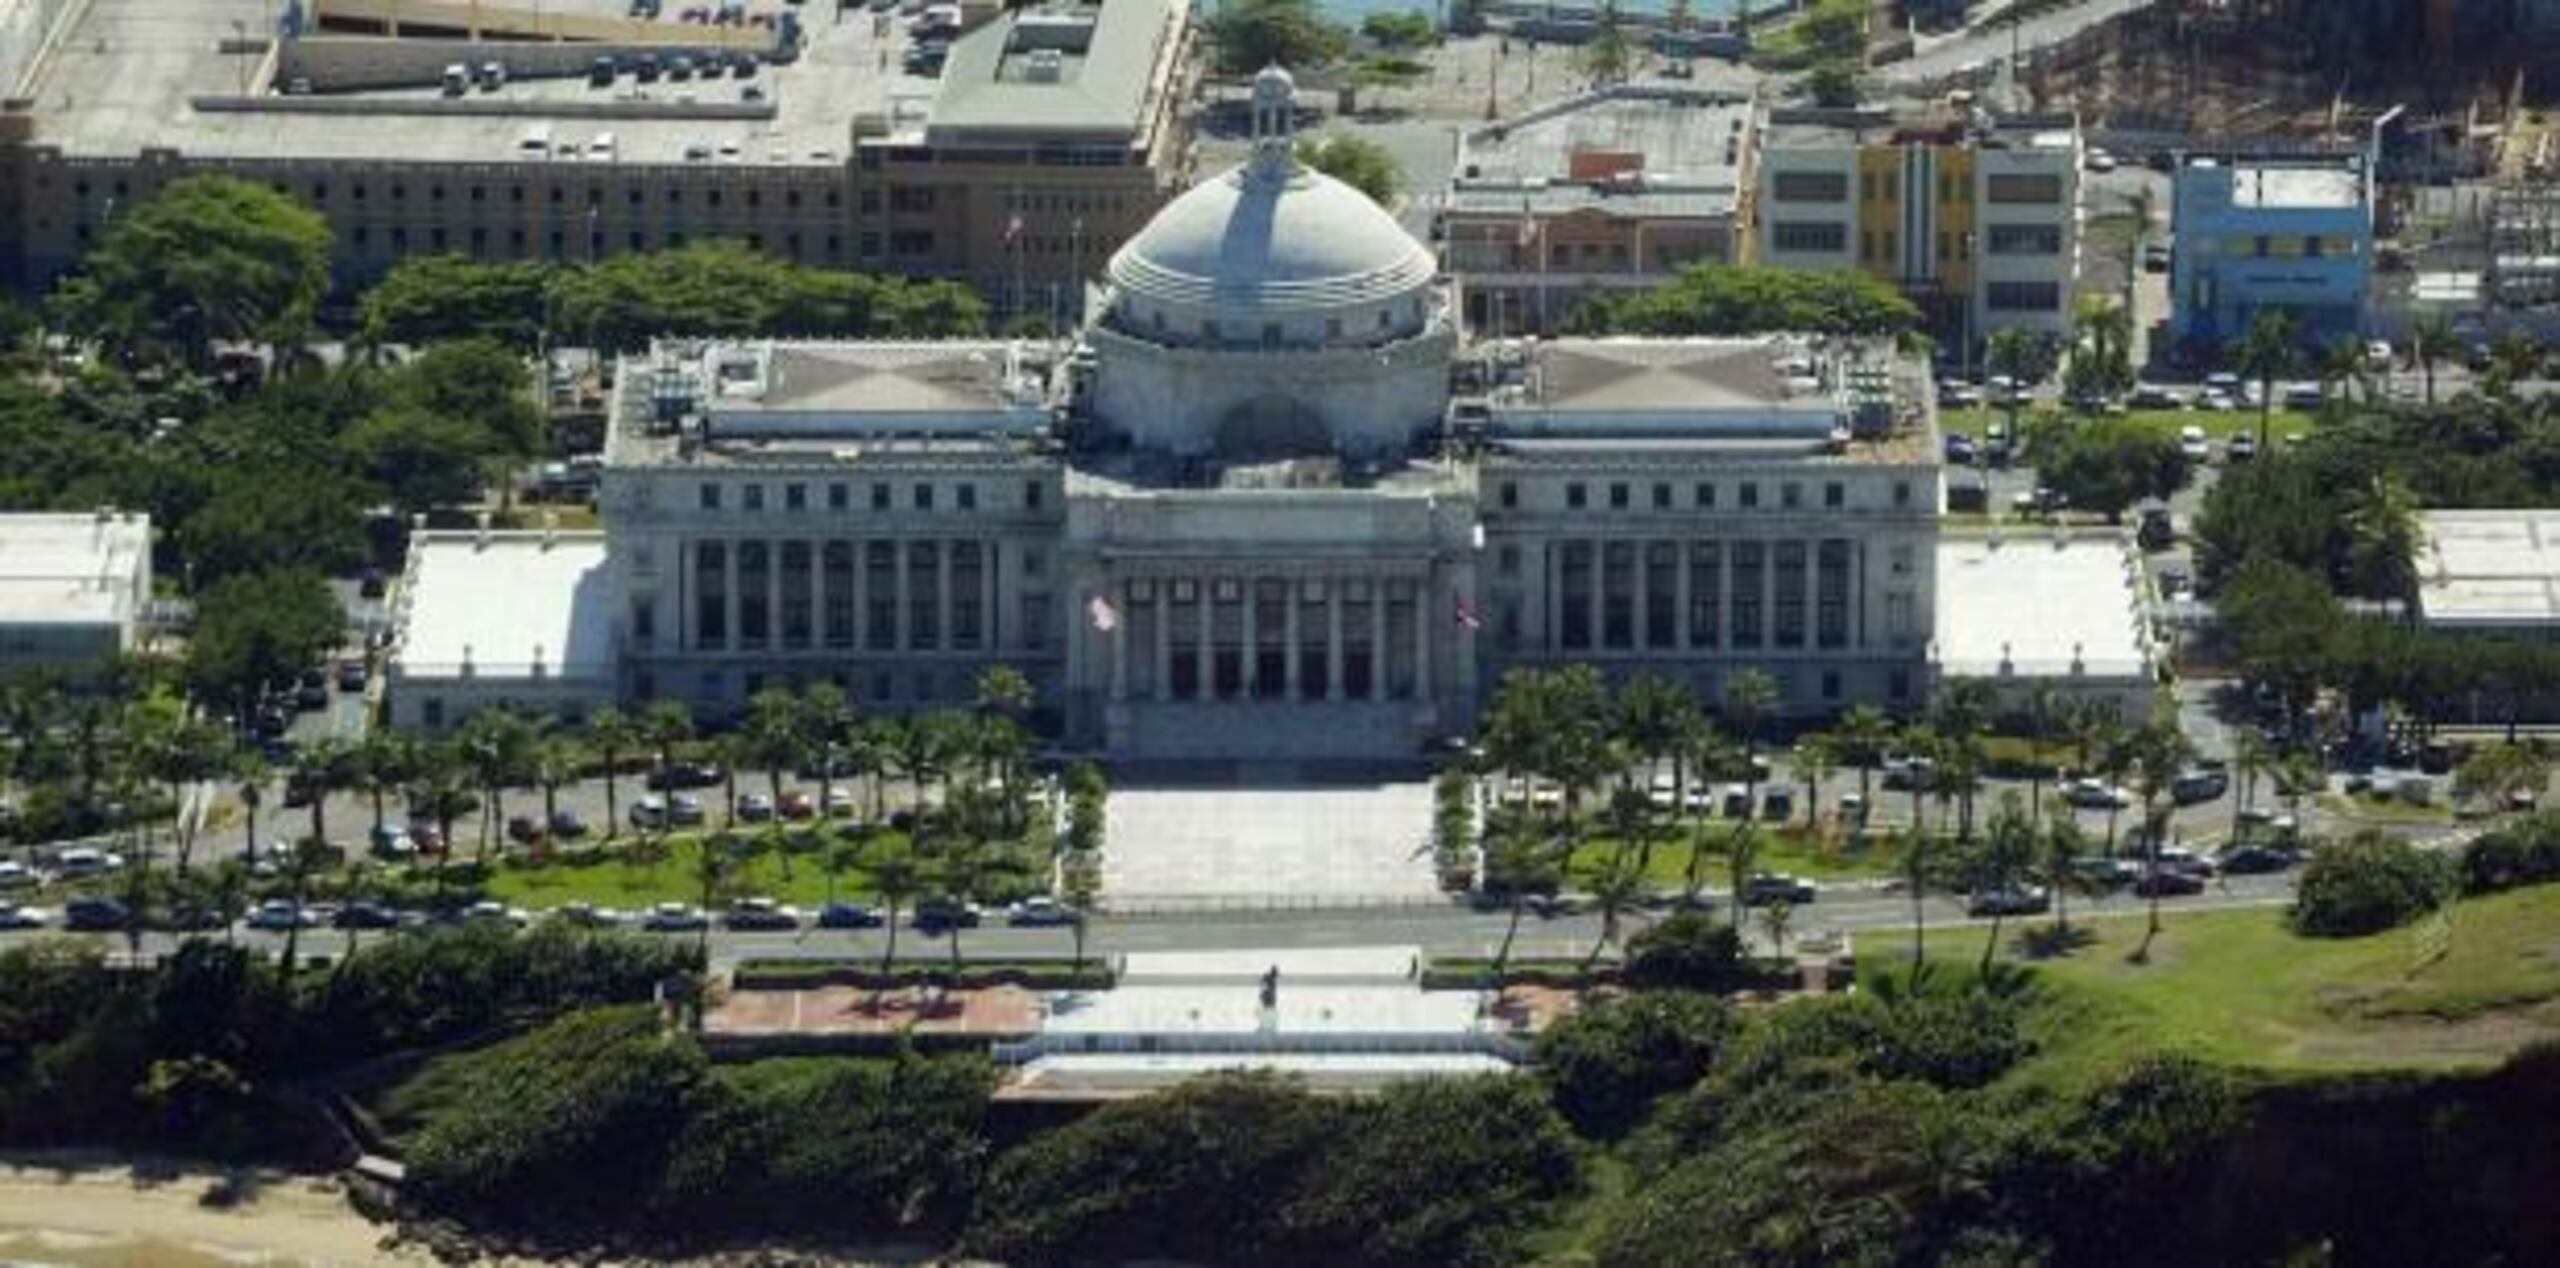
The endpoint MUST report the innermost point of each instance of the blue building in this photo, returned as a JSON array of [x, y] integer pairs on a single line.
[[2290, 233]]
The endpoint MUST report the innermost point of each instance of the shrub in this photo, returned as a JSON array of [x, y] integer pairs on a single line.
[[1689, 952], [1607, 1064], [2366, 884], [2525, 853], [1436, 1172]]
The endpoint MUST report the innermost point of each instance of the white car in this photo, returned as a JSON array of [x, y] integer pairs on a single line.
[[16, 875], [2379, 353], [2192, 444], [2096, 794], [2099, 160], [674, 918], [76, 863]]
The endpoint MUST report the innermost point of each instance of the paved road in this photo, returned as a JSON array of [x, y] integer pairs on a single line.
[[1991, 46], [1449, 930]]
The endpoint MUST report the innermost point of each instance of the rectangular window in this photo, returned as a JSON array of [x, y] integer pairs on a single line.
[[924, 592], [1506, 561], [1575, 496], [835, 561], [751, 498], [880, 591], [839, 496], [2024, 187], [924, 497], [796, 562], [879, 497], [1618, 595], [1750, 494], [795, 497], [755, 581], [1790, 495], [1661, 497], [1617, 497], [1031, 495], [1573, 594], [1809, 235], [710, 494], [1750, 574], [1661, 588], [1510, 495], [1788, 562], [1704, 495], [1902, 493], [1835, 495], [1831, 594], [1809, 187], [1706, 573], [967, 496], [711, 594], [2026, 240], [2023, 297]]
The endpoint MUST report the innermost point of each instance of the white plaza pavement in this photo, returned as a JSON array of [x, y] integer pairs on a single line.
[[1267, 845]]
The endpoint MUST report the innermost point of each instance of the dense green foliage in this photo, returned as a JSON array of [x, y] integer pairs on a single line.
[[2107, 465], [2526, 852], [1253, 1170], [2366, 884], [208, 258], [1689, 951], [257, 629], [1720, 299], [80, 1042], [723, 288], [1356, 161], [1251, 34], [1606, 1064]]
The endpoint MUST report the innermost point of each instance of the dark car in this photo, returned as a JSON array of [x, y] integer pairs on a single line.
[[2203, 783], [2167, 882], [686, 775], [2008, 902], [936, 914], [566, 825], [2250, 860], [94, 915], [760, 914], [351, 675], [185, 918], [1770, 887], [848, 916], [365, 915], [523, 829], [372, 583]]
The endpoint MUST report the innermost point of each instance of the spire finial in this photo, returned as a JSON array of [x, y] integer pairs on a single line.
[[1275, 122]]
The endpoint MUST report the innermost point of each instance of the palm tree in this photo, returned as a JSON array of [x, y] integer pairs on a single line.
[[2515, 355], [2430, 338], [2018, 355], [2382, 532], [250, 771], [1864, 731], [1516, 860], [2342, 362], [1775, 918], [613, 734], [1653, 715], [772, 737], [962, 873], [382, 760], [556, 759], [300, 862], [1004, 700], [496, 746], [896, 877], [663, 726], [2008, 847], [1962, 713], [714, 872], [327, 765], [2251, 759], [2159, 752], [2264, 353], [2060, 842], [1080, 887], [922, 752], [1618, 883], [1709, 751], [1741, 856], [1915, 876], [2044, 713], [826, 724], [1816, 758]]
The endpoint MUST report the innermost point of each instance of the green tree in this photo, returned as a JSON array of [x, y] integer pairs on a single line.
[[2431, 339], [1410, 29], [2107, 465], [772, 737], [209, 258], [613, 735], [1356, 161], [897, 877], [2383, 532], [496, 747], [1863, 733], [2266, 353], [2102, 350], [2021, 355], [1251, 34], [1453, 827], [259, 628], [423, 461], [1720, 299], [428, 298], [2366, 884], [1609, 55], [1832, 83], [2007, 850]]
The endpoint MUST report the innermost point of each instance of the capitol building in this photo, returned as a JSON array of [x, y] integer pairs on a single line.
[[1268, 504]]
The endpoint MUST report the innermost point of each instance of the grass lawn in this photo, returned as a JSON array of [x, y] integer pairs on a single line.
[[2237, 986], [1792, 848], [2381, 809], [1976, 421], [619, 878]]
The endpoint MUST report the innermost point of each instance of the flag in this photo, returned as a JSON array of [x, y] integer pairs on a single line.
[[1106, 618], [1467, 614], [1012, 228], [1528, 229]]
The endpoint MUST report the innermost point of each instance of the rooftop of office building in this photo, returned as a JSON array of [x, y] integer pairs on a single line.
[[65, 568], [714, 401], [2290, 184], [1650, 149], [1813, 127], [225, 79]]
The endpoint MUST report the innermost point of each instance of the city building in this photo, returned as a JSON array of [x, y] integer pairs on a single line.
[[1612, 190], [2064, 612], [2269, 234], [570, 131], [2494, 572], [1266, 505], [1973, 215], [74, 588]]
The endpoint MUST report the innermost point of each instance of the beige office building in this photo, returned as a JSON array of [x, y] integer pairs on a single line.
[[820, 146]]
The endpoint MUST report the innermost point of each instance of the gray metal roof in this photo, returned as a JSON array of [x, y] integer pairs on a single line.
[[991, 83]]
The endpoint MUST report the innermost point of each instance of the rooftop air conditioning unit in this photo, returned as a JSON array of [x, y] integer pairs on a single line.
[[1044, 66]]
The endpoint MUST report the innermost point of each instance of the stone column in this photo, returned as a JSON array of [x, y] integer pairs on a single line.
[[1424, 613], [1640, 597], [989, 595], [1251, 659], [730, 582], [903, 617], [942, 604], [1813, 595], [817, 594], [1681, 596], [1333, 638], [1163, 590], [1119, 636], [1551, 596], [1723, 632], [1769, 599], [1205, 653], [1289, 641], [773, 594], [861, 593], [1595, 620], [1378, 639]]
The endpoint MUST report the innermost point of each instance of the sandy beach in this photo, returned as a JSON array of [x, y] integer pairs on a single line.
[[105, 1214]]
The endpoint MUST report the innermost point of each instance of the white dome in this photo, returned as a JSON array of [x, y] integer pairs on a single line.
[[1256, 242]]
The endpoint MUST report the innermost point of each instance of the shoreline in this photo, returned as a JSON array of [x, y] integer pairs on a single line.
[[99, 1208]]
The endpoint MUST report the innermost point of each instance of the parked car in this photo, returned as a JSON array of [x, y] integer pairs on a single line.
[[676, 775], [351, 675], [2032, 900], [583, 915], [841, 804], [933, 915], [2104, 873], [279, 914], [649, 812], [674, 918], [2153, 396], [797, 807], [848, 916], [365, 915], [2096, 794], [684, 809], [755, 808], [566, 825], [82, 862], [2193, 446], [427, 837], [1904, 772], [2253, 860], [1777, 887], [760, 914], [2167, 882], [523, 829], [94, 915], [2198, 784], [2242, 448], [13, 916], [1039, 911], [391, 841], [16, 875], [486, 912]]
